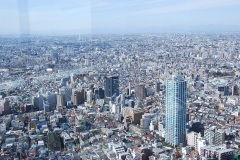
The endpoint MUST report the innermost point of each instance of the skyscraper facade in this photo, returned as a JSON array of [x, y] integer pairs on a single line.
[[111, 86], [176, 94], [140, 91]]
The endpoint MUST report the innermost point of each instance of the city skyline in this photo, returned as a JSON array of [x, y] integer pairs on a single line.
[[114, 17]]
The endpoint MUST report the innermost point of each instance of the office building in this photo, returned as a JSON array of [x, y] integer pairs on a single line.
[[123, 99], [72, 77], [5, 107], [64, 81], [100, 93], [89, 96], [176, 94], [82, 95], [157, 87], [224, 90], [28, 107], [61, 100], [140, 91], [68, 93], [38, 102], [46, 107], [116, 108], [111, 86], [145, 122], [133, 115], [55, 55], [91, 87], [129, 88], [235, 90], [52, 100], [131, 103], [77, 96]]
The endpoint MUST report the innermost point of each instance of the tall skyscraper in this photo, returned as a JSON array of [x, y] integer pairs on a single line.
[[55, 55], [176, 94], [111, 86], [157, 87], [140, 91], [100, 93], [89, 96]]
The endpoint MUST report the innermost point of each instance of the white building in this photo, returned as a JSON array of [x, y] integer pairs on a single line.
[[161, 129], [115, 108], [192, 139], [89, 96], [200, 143], [151, 126]]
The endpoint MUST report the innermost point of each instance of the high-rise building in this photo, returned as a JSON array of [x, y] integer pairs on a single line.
[[38, 102], [72, 78], [140, 91], [129, 88], [28, 107], [75, 97], [131, 103], [123, 99], [55, 55], [219, 137], [89, 96], [235, 90], [209, 136], [46, 107], [61, 100], [52, 100], [100, 93], [133, 114], [91, 87], [176, 94], [157, 87], [192, 139], [111, 86], [78, 96], [5, 107]]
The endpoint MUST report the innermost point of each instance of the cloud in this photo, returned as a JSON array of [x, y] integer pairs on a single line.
[[190, 5]]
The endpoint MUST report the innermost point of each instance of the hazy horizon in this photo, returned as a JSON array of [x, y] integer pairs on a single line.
[[117, 17]]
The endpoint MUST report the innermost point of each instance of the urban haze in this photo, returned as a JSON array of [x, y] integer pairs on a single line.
[[119, 80]]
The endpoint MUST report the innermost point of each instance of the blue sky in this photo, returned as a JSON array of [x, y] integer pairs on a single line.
[[117, 16]]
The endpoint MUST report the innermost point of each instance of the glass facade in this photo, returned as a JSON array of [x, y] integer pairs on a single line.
[[176, 94], [111, 86]]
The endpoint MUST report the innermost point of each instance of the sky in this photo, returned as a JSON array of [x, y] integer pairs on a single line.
[[118, 16]]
